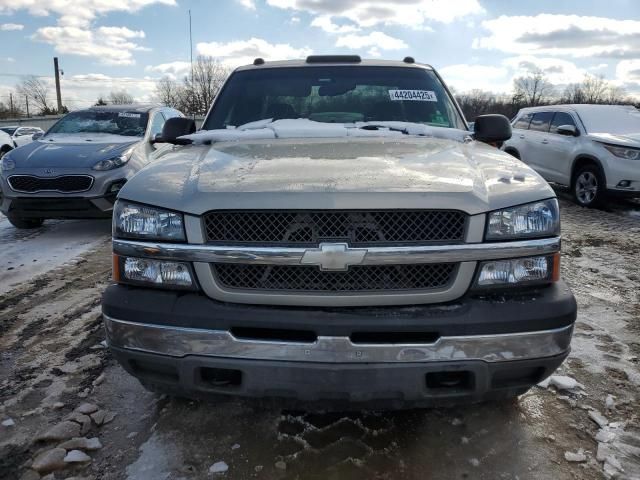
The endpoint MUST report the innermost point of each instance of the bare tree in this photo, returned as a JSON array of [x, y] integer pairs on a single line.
[[100, 102], [120, 98], [594, 88], [171, 93], [534, 89], [37, 91], [208, 77], [616, 96]]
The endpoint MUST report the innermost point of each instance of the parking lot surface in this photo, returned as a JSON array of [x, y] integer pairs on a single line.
[[52, 361]]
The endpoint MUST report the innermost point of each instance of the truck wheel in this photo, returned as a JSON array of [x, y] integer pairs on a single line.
[[588, 186], [25, 223]]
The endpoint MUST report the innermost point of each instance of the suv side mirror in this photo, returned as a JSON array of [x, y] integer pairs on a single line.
[[36, 136], [568, 130], [176, 127], [492, 128]]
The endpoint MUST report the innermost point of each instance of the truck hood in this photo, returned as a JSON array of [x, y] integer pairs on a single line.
[[70, 153], [336, 173]]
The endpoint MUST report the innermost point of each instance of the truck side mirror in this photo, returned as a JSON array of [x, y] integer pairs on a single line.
[[492, 128], [176, 127]]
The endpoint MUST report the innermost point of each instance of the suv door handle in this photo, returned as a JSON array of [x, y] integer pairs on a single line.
[[545, 141]]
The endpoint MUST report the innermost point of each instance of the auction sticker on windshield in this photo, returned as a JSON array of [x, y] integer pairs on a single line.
[[413, 95], [129, 115]]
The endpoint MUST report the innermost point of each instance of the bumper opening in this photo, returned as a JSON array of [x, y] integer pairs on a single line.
[[155, 371], [448, 382], [220, 377], [390, 338], [272, 334]]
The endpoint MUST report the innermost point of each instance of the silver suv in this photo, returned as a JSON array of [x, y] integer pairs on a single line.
[[594, 149], [334, 233]]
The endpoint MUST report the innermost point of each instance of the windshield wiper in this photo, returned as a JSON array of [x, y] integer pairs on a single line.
[[384, 127]]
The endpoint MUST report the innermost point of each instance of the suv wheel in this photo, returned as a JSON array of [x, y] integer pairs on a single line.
[[588, 186], [24, 223]]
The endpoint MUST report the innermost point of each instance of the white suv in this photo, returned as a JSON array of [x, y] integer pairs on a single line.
[[594, 149]]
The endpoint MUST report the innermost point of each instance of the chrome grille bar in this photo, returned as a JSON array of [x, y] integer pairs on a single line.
[[467, 252]]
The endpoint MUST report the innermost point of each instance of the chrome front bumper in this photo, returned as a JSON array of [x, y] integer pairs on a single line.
[[181, 342]]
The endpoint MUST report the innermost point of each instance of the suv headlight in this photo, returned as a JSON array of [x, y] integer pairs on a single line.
[[624, 152], [532, 220], [136, 221], [7, 163], [115, 162]]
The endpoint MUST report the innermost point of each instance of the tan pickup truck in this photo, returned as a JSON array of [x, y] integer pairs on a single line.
[[335, 233]]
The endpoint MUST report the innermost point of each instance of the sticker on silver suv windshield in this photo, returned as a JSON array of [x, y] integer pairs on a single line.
[[413, 95], [129, 115]]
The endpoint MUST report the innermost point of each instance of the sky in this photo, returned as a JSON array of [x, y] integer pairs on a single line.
[[106, 45]]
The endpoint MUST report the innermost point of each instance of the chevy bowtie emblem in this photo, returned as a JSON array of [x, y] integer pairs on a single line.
[[333, 256]]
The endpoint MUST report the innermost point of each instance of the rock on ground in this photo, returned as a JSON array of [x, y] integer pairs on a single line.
[[81, 443], [61, 431], [218, 467], [77, 456], [49, 460]]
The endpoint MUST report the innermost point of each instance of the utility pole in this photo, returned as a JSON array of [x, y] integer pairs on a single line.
[[11, 103], [58, 94], [26, 100], [193, 88]]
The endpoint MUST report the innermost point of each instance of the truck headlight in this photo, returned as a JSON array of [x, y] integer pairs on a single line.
[[624, 152], [151, 272], [135, 221], [115, 162], [537, 219], [519, 271], [7, 163]]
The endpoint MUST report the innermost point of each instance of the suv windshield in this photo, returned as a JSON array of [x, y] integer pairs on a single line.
[[130, 124], [335, 95]]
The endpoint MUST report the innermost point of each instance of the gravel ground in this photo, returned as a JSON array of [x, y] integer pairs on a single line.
[[54, 369]]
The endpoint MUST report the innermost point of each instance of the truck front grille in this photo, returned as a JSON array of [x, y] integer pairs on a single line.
[[359, 278], [64, 183], [357, 227]]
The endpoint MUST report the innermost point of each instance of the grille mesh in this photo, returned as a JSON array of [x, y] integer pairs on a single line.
[[359, 278], [308, 228], [65, 183]]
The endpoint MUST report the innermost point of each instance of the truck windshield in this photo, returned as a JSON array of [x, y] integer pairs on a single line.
[[129, 124], [343, 94]]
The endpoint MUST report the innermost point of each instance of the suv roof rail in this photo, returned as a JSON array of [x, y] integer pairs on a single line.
[[409, 60], [334, 59], [258, 61]]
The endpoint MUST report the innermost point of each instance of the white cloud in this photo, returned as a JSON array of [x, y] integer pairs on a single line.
[[379, 40], [75, 32], [80, 91], [325, 23], [557, 71], [628, 71], [373, 52], [241, 52], [571, 35], [9, 27], [110, 45], [464, 77], [294, 20], [10, 59], [369, 13], [173, 70], [249, 4]]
